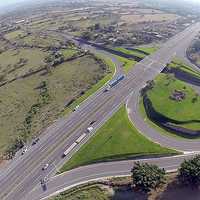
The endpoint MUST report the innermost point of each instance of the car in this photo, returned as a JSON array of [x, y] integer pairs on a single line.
[[106, 89], [92, 122], [25, 149], [90, 129], [43, 180], [36, 141], [45, 166], [76, 108]]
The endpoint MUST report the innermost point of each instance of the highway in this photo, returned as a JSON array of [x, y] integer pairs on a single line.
[[25, 173]]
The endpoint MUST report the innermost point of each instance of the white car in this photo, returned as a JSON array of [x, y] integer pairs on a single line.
[[45, 166], [76, 108], [90, 129]]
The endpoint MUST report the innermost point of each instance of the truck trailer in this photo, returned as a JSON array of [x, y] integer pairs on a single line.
[[114, 82]]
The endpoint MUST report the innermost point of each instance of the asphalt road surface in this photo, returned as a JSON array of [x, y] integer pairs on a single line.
[[25, 173], [95, 172]]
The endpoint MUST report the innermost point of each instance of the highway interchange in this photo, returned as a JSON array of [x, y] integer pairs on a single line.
[[24, 173]]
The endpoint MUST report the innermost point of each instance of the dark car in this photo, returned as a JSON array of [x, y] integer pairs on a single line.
[[36, 141], [92, 122]]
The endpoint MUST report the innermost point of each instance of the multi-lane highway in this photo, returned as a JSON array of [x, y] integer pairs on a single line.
[[26, 172]]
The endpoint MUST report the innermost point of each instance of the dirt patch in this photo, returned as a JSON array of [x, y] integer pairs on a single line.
[[3, 163]]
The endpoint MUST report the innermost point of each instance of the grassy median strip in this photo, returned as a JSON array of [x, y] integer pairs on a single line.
[[117, 139]]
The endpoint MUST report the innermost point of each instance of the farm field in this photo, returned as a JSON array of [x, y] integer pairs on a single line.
[[14, 63], [116, 139], [30, 104], [41, 41], [148, 18], [14, 35]]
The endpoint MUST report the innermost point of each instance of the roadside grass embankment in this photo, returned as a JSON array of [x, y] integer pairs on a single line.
[[116, 139], [139, 52], [119, 188]]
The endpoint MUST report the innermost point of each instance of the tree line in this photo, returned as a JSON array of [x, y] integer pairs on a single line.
[[147, 177]]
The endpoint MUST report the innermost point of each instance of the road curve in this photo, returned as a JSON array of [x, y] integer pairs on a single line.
[[145, 129], [94, 172]]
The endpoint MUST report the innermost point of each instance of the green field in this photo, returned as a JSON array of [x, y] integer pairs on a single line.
[[117, 139], [185, 110], [19, 99]]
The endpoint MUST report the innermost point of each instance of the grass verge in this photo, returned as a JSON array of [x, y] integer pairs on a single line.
[[85, 192], [117, 139], [128, 64], [176, 63], [148, 50]]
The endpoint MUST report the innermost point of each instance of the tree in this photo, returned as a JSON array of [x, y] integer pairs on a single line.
[[86, 35], [97, 26], [189, 172], [146, 176]]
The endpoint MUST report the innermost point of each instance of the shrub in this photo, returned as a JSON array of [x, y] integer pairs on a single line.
[[189, 172], [146, 176]]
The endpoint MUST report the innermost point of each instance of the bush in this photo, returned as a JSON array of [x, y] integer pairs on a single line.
[[146, 176], [189, 172]]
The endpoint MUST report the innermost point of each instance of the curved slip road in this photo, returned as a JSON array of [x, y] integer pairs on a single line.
[[22, 177], [95, 172], [144, 128]]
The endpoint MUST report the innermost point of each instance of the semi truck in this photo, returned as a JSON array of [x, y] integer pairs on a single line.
[[114, 82], [78, 140]]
